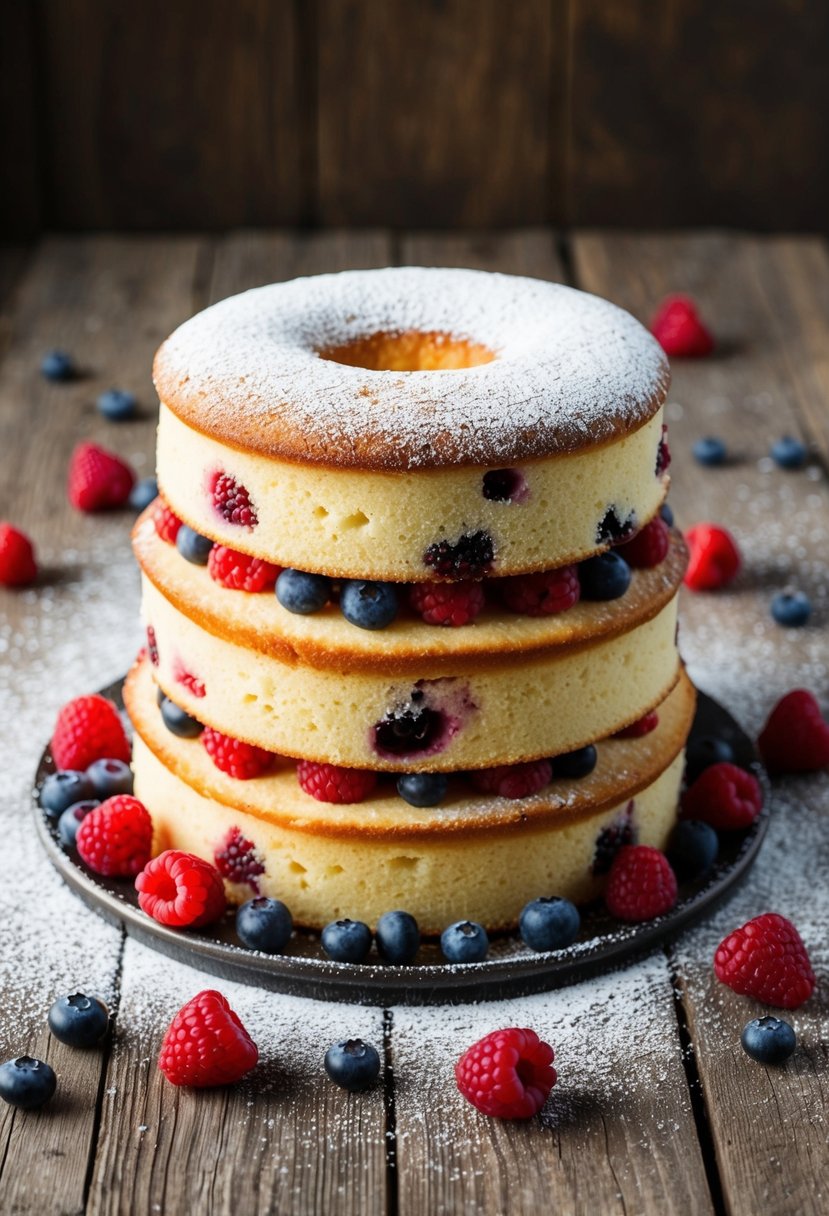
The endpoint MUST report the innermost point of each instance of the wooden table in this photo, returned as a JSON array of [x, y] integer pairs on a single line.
[[657, 1109]]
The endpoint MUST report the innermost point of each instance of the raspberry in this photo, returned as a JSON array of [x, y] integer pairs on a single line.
[[724, 796], [166, 522], [513, 780], [679, 330], [328, 783], [116, 837], [237, 861], [621, 832], [152, 646], [508, 1074], [641, 884], [468, 557], [240, 760], [206, 1044], [17, 558], [98, 479], [187, 680], [714, 560], [87, 729], [447, 603], [766, 959], [663, 453], [181, 890], [649, 546], [795, 738], [642, 726], [542, 594], [232, 501], [240, 571]]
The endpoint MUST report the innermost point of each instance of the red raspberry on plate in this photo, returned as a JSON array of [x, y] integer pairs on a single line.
[[642, 726], [766, 959], [206, 1044], [649, 546], [181, 890], [641, 884], [17, 558], [542, 594], [328, 783], [166, 522], [447, 603], [116, 837], [513, 780], [244, 761], [679, 330], [237, 860], [232, 500], [714, 559], [795, 738], [508, 1074], [240, 571], [98, 479], [724, 796], [87, 729]]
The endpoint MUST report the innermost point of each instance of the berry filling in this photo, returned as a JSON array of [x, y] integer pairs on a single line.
[[613, 838], [614, 528], [471, 556], [232, 501], [192, 683], [407, 732], [237, 861], [663, 453], [505, 485], [152, 646]]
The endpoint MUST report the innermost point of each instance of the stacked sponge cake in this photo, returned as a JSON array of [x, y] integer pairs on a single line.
[[465, 692]]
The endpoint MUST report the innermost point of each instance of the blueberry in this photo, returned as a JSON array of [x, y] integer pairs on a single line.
[[346, 941], [78, 1020], [666, 512], [769, 1040], [575, 764], [71, 820], [117, 405], [110, 777], [57, 365], [789, 453], [791, 608], [614, 527], [710, 451], [422, 789], [368, 605], [549, 923], [604, 577], [352, 1064], [143, 493], [264, 924], [192, 545], [692, 849], [302, 593], [398, 937], [504, 485], [60, 790], [26, 1083], [178, 722], [464, 942], [703, 752], [471, 556]]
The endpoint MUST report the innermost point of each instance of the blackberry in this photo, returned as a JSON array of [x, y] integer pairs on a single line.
[[611, 839], [663, 453], [409, 730], [469, 557], [614, 529], [237, 861], [504, 485]]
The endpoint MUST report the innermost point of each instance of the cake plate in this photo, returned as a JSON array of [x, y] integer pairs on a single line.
[[510, 970]]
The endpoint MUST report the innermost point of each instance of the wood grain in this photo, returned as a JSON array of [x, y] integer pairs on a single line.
[[251, 259]]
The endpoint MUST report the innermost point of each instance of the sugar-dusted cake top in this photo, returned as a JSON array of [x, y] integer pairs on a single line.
[[412, 368]]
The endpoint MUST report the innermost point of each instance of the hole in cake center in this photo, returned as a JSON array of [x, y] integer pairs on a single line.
[[410, 352]]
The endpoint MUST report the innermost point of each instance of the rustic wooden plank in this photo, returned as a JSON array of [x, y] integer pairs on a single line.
[[768, 1126], [20, 203], [450, 115]]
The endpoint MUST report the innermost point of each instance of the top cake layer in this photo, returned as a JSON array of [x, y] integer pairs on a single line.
[[412, 368]]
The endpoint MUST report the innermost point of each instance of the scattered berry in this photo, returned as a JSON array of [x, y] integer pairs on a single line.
[[346, 941], [88, 729], [639, 728], [397, 937], [579, 763], [57, 365], [679, 330], [302, 593], [193, 546], [98, 479], [615, 528], [766, 959], [714, 558], [710, 451], [641, 884], [115, 839], [329, 783], [513, 780], [604, 577], [78, 1020], [471, 556], [508, 1074], [181, 890], [71, 820], [789, 453], [725, 796], [352, 1064], [244, 761], [666, 514], [264, 924], [615, 836], [206, 1044], [648, 547], [167, 523], [505, 485], [452, 604], [117, 405], [542, 594], [60, 790], [464, 942], [407, 731], [110, 777], [232, 501], [693, 849], [18, 566], [703, 752], [549, 923], [143, 493], [237, 861], [795, 738], [663, 455], [791, 608], [178, 721], [26, 1083], [422, 789], [240, 571], [768, 1040], [368, 605]]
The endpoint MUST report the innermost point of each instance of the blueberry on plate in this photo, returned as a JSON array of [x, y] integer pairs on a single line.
[[57, 365], [422, 789], [368, 605], [549, 923], [61, 790], [302, 593], [178, 721], [143, 493], [71, 820], [703, 752], [352, 1064], [193, 546], [710, 451], [464, 942], [117, 405], [768, 1040], [604, 577], [397, 937], [346, 941], [789, 453], [692, 849], [264, 924], [667, 514], [110, 777], [78, 1020], [26, 1083], [791, 608], [575, 764]]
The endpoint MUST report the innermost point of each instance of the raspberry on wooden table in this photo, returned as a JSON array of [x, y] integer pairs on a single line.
[[181, 890], [17, 558], [452, 604], [541, 594], [116, 837], [206, 1044], [714, 558], [244, 761], [98, 479], [648, 547], [766, 959], [240, 571], [641, 884], [724, 796], [329, 783], [513, 780], [508, 1074], [679, 330], [166, 522], [795, 738], [88, 729]]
